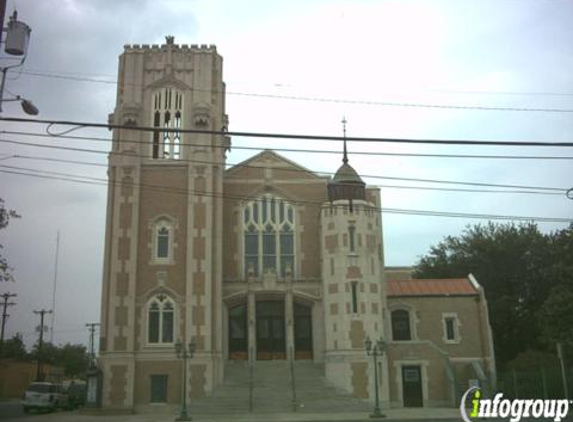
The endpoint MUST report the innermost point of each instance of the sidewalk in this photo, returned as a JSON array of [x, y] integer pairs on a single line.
[[411, 414]]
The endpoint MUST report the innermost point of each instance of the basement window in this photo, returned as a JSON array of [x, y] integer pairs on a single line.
[[158, 393]]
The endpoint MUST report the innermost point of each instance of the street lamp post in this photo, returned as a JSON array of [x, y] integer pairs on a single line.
[[184, 354], [375, 351]]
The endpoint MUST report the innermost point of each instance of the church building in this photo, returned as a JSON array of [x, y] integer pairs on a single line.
[[263, 261]]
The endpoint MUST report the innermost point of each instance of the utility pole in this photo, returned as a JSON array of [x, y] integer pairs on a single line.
[[5, 304], [92, 327], [2, 16], [16, 44], [54, 289], [39, 372]]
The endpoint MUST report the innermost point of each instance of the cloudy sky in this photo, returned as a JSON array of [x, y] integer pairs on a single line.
[[498, 70]]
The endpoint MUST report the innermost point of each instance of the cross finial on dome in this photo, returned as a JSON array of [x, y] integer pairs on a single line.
[[345, 156]]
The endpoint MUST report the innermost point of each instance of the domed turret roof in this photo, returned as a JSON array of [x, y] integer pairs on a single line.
[[346, 174], [346, 183]]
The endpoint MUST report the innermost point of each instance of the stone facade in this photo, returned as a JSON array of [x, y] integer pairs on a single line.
[[255, 262]]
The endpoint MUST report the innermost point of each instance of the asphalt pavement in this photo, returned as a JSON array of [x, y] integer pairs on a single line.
[[12, 411]]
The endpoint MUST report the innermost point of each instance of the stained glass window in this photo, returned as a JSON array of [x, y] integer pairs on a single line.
[[269, 236]]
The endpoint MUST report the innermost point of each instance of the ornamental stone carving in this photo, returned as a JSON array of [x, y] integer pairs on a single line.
[[201, 115]]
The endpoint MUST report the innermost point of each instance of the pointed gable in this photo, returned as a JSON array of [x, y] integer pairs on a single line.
[[269, 165]]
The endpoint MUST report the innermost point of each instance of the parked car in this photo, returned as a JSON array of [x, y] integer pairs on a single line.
[[44, 396], [77, 393]]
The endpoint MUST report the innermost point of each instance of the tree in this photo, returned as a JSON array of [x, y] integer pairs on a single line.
[[5, 216], [518, 267], [15, 348], [73, 358], [555, 317]]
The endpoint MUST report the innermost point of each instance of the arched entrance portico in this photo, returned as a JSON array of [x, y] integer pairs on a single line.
[[264, 330]]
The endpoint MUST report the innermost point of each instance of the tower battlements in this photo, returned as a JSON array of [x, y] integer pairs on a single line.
[[133, 48]]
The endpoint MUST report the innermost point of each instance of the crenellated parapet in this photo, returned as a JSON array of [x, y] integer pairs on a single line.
[[199, 48]]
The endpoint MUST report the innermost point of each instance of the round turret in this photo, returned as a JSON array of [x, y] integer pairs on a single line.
[[346, 183]]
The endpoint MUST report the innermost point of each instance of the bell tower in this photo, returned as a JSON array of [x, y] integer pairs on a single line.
[[162, 280], [353, 276]]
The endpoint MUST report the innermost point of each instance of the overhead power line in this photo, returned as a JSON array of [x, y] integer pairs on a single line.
[[451, 182], [331, 100], [179, 191], [300, 150], [92, 77], [79, 125], [409, 187]]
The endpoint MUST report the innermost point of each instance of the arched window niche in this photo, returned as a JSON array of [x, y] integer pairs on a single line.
[[269, 227], [163, 243]]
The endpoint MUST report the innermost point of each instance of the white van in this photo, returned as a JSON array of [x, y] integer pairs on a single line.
[[44, 396]]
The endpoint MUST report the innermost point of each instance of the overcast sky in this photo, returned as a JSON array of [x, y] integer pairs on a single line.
[[379, 63]]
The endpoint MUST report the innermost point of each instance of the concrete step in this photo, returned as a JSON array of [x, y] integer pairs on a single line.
[[272, 390]]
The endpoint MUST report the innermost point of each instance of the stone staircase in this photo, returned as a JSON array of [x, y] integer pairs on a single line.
[[273, 392], [315, 394], [230, 397]]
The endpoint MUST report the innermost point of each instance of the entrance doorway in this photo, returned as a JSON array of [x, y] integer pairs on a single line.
[[302, 331], [271, 330], [238, 338], [412, 386]]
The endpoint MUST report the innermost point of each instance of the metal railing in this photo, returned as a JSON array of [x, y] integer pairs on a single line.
[[251, 379], [292, 379]]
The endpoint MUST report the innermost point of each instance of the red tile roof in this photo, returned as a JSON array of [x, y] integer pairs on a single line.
[[432, 287]]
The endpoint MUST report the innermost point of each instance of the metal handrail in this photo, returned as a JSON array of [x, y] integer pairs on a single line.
[[251, 380], [293, 383]]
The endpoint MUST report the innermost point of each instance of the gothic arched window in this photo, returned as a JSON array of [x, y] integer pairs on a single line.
[[163, 240], [269, 224], [160, 320], [167, 112]]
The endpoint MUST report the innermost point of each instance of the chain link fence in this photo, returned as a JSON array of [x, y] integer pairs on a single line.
[[543, 383]]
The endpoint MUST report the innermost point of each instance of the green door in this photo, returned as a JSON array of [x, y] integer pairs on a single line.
[[302, 331], [271, 330], [238, 332], [412, 386]]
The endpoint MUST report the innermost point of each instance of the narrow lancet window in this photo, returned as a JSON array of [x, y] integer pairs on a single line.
[[351, 238], [354, 288]]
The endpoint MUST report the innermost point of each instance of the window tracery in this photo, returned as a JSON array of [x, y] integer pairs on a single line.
[[167, 112], [160, 320], [269, 224]]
